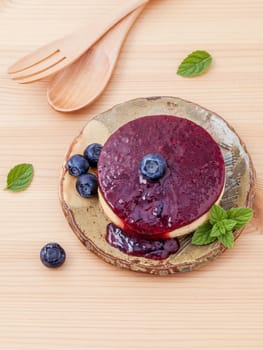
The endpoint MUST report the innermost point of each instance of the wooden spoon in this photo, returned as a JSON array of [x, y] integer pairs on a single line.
[[83, 81]]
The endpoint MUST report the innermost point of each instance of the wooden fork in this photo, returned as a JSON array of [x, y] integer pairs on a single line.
[[53, 57]]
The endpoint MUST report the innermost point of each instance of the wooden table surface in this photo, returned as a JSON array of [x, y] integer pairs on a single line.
[[88, 304]]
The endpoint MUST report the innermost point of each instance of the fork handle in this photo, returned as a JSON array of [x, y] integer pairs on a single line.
[[87, 36]]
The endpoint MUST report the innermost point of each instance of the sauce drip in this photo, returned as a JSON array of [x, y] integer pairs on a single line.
[[151, 249]]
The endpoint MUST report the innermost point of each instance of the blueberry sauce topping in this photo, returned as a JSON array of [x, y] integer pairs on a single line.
[[153, 166], [52, 255], [77, 165], [151, 249]]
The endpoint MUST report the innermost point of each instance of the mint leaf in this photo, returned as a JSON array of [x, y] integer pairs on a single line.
[[194, 64], [20, 177], [202, 235], [229, 224], [222, 227], [218, 229], [217, 214], [240, 215], [227, 239]]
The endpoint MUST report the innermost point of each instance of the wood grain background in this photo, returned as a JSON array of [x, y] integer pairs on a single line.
[[88, 304]]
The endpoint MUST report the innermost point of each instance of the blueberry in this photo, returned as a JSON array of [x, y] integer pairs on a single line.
[[92, 153], [77, 165], [52, 255], [87, 185], [153, 166]]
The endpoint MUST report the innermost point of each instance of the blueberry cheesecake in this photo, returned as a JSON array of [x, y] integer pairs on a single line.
[[159, 176]]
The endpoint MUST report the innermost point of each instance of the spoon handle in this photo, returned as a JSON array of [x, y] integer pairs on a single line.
[[88, 35]]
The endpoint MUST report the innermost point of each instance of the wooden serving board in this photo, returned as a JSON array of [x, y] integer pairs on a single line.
[[88, 220], [88, 304]]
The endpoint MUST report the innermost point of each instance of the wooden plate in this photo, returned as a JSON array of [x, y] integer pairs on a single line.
[[88, 221]]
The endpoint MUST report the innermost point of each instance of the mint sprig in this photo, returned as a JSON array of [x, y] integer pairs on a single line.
[[195, 64], [20, 177], [221, 225]]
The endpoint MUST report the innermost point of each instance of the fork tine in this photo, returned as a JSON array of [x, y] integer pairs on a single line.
[[64, 62], [39, 67], [32, 59]]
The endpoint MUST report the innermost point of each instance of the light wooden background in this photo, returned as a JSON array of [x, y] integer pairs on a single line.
[[88, 304]]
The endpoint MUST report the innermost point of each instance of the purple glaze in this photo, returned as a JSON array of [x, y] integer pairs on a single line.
[[193, 181], [156, 250]]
